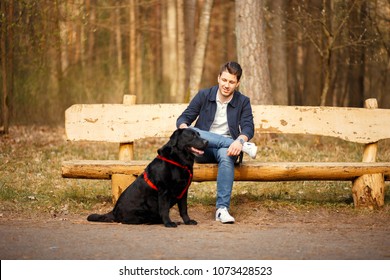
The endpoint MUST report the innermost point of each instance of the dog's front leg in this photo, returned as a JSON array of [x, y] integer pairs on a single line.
[[182, 204], [163, 207]]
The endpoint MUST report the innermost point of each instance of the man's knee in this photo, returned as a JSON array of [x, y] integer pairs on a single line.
[[223, 157]]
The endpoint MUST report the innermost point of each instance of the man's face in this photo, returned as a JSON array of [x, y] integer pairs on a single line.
[[227, 84]]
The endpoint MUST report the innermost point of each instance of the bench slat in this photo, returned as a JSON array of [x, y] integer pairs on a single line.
[[249, 171], [126, 123]]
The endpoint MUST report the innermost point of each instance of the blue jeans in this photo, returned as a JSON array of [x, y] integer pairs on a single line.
[[216, 152]]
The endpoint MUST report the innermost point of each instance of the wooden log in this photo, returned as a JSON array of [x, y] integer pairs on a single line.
[[369, 190], [250, 171], [119, 182]]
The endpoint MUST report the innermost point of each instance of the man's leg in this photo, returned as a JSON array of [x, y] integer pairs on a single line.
[[225, 181], [215, 140]]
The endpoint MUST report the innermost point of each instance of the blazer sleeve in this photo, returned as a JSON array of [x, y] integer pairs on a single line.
[[192, 111], [246, 123]]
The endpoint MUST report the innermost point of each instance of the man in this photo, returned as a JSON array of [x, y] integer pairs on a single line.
[[225, 119]]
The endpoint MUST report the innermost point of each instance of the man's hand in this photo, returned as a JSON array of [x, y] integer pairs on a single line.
[[234, 149]]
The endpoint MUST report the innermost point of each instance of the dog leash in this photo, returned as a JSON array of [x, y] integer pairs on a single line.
[[153, 186]]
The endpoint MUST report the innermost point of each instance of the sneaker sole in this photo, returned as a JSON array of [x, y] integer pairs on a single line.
[[227, 222]]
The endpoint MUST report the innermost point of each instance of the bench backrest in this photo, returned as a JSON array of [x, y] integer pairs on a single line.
[[126, 123]]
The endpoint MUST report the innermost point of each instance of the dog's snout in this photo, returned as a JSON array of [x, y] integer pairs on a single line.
[[205, 142]]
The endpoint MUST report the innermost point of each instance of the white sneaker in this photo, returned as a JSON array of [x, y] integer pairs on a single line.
[[222, 215], [250, 149]]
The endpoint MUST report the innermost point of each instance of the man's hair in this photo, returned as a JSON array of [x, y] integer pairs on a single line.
[[233, 68]]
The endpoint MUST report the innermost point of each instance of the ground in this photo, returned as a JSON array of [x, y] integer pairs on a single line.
[[43, 216], [259, 233]]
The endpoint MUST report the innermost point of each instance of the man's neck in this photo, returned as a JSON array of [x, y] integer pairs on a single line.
[[223, 98]]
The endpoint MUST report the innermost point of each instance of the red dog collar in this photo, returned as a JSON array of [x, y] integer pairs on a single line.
[[153, 186]]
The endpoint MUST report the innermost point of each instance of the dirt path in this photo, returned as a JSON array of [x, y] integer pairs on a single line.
[[258, 234]]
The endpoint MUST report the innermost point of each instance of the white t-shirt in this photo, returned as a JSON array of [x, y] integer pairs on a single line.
[[220, 124]]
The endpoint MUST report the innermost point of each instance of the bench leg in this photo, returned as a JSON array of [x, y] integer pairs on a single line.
[[369, 191], [119, 182]]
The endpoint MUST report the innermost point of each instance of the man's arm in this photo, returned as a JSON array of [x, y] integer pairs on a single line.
[[190, 114], [247, 130]]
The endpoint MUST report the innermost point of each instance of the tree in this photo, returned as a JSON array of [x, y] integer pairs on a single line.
[[181, 65], [252, 51], [189, 24], [200, 49], [132, 47], [7, 11], [325, 27], [278, 55], [169, 42]]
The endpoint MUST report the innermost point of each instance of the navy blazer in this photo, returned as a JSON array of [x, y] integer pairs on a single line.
[[204, 105]]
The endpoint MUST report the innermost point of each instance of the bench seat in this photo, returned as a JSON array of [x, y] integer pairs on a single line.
[[247, 171]]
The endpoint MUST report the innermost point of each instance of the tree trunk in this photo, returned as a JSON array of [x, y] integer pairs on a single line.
[[252, 51], [200, 48], [189, 23], [357, 24], [181, 67], [170, 69], [278, 66], [118, 36], [132, 47], [312, 83], [6, 61]]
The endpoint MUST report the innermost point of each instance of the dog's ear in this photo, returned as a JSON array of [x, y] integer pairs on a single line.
[[166, 150], [173, 140]]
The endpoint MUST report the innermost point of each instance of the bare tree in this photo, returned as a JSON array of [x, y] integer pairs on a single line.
[[169, 44], [252, 51], [189, 23], [278, 54], [181, 67], [132, 47], [332, 23], [118, 35], [200, 49], [7, 11]]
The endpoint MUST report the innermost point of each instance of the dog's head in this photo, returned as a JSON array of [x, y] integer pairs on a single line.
[[187, 141]]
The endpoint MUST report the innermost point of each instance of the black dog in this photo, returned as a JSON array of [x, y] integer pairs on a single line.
[[164, 183]]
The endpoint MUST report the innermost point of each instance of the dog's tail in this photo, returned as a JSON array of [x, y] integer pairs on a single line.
[[105, 218]]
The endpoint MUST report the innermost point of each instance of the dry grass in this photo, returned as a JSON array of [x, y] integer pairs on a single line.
[[31, 182]]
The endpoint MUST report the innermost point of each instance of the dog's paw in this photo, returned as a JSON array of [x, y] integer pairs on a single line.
[[170, 224], [191, 222]]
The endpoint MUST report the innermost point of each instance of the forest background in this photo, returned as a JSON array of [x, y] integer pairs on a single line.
[[55, 53]]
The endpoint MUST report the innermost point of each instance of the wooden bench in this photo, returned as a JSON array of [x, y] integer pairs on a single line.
[[127, 122]]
